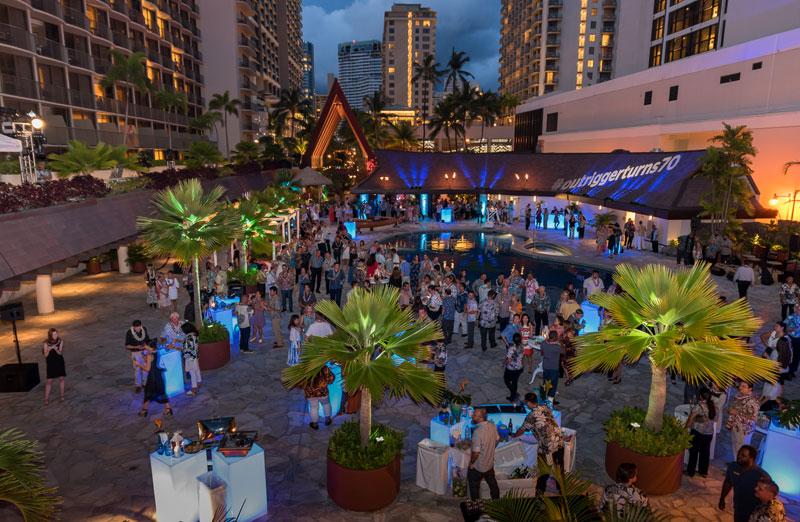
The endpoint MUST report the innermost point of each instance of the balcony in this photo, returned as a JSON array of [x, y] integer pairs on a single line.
[[76, 17], [153, 56], [16, 37], [247, 85], [120, 7], [606, 54], [16, 86], [609, 3], [53, 93], [49, 48], [608, 28], [553, 41], [607, 42], [78, 58], [551, 54], [551, 66], [100, 30], [141, 111], [107, 104], [554, 15], [249, 126], [48, 6], [553, 28], [138, 46], [605, 66], [609, 14], [120, 39], [551, 80], [101, 65], [137, 17], [555, 2], [81, 99], [196, 31]]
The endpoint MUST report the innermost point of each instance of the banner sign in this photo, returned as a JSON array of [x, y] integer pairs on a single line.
[[600, 179]]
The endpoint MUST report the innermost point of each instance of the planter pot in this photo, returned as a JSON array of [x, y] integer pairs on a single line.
[[115, 265], [214, 355], [138, 267], [92, 267], [655, 476], [251, 289], [363, 490], [455, 411]]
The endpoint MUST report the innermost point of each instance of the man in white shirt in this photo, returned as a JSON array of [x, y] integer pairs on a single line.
[[593, 284], [319, 327], [744, 277], [172, 286], [481, 463]]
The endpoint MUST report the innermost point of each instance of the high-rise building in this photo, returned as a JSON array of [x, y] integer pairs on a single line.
[[552, 45], [360, 65], [264, 38], [54, 54], [308, 70], [409, 34]]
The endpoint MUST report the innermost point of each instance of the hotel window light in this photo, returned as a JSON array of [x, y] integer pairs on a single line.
[[606, 39], [583, 4], [590, 63], [580, 66], [579, 79], [583, 15], [582, 28], [594, 11], [592, 37], [580, 53], [581, 41]]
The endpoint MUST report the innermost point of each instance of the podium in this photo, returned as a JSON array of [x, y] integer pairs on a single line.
[[175, 485], [246, 480]]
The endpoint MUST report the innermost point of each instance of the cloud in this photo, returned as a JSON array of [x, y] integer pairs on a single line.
[[472, 26]]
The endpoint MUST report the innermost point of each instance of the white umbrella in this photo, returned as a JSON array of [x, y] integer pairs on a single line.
[[309, 177]]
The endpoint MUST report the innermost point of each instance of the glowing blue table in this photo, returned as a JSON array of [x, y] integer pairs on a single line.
[[441, 432], [175, 485], [225, 317], [246, 479], [780, 443], [172, 363], [447, 215], [334, 392]]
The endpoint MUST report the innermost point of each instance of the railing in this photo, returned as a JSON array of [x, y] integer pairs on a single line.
[[136, 16], [551, 54], [553, 41], [141, 111], [153, 56], [108, 105], [553, 28], [16, 86], [76, 17], [81, 98], [138, 46], [608, 28], [555, 2], [247, 85], [79, 58], [54, 93], [609, 15], [554, 15], [120, 7], [100, 30], [101, 65], [609, 3], [120, 39], [48, 6], [16, 36], [49, 48]]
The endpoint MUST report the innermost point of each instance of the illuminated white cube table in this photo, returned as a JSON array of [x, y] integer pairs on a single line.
[[779, 458], [175, 486], [172, 363], [246, 478]]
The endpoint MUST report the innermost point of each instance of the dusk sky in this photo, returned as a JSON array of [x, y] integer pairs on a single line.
[[472, 26]]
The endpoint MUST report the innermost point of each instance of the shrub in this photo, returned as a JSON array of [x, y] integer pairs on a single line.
[[9, 167], [137, 254], [345, 446], [212, 332], [14, 198], [626, 428]]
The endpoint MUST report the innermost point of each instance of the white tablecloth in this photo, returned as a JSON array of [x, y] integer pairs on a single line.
[[432, 466]]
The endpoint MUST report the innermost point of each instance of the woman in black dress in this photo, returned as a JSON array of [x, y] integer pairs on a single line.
[[154, 388], [53, 348]]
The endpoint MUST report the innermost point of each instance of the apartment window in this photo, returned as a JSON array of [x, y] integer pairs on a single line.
[[426, 46], [426, 31], [426, 23], [582, 28], [590, 75], [592, 25], [677, 48], [581, 41], [658, 29], [583, 4], [591, 50], [655, 56], [583, 15], [391, 85], [578, 79], [648, 97], [756, 66], [673, 93], [607, 40], [594, 11], [580, 66], [728, 78], [659, 5], [391, 70], [589, 63], [705, 39], [593, 37], [391, 29], [580, 53], [391, 62], [552, 122]]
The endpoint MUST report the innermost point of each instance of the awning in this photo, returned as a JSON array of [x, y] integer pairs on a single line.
[[10, 144], [309, 177]]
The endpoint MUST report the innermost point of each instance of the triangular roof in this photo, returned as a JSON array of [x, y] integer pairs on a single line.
[[336, 108], [309, 177]]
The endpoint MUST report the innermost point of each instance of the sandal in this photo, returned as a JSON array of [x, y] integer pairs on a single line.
[[143, 412]]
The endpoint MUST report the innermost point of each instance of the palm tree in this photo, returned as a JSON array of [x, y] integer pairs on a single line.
[[370, 331], [428, 72], [444, 118], [203, 153], [130, 71], [224, 103], [509, 102], [375, 105], [674, 318], [246, 152], [22, 479], [291, 103], [463, 106], [206, 122], [786, 168], [486, 105], [191, 224], [455, 69], [82, 160], [170, 102], [256, 230], [404, 135]]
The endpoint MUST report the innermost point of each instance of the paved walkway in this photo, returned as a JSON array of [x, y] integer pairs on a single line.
[[97, 448]]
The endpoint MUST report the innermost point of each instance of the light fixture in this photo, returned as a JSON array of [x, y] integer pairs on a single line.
[[599, 207], [774, 200], [516, 176], [37, 123], [526, 176]]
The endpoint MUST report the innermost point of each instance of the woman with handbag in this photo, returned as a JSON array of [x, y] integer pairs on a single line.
[[316, 391]]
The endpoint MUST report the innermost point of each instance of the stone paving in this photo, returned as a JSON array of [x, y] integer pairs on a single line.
[[96, 447]]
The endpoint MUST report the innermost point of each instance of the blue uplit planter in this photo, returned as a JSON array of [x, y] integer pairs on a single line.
[[782, 442]]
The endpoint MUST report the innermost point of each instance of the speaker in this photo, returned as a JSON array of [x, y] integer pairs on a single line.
[[12, 312], [18, 377], [717, 271], [794, 243]]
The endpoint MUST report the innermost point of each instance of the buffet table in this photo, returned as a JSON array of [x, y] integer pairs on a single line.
[[497, 413]]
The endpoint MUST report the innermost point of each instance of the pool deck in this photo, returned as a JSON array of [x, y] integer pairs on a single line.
[[96, 448]]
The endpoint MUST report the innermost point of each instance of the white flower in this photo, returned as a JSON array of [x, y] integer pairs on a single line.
[[379, 439], [636, 425]]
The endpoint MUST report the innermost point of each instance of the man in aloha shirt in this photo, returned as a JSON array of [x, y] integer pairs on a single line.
[[487, 320], [771, 509], [623, 492], [548, 435]]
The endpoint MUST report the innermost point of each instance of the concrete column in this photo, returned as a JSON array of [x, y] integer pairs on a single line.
[[122, 256], [44, 295], [297, 222]]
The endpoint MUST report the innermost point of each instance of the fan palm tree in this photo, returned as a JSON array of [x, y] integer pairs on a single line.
[[371, 330], [226, 105], [130, 71], [428, 71], [190, 224], [256, 229], [203, 153], [22, 479], [404, 135], [455, 69], [375, 105], [292, 103], [170, 102], [486, 105], [206, 122], [82, 160], [673, 318], [602, 219], [246, 152]]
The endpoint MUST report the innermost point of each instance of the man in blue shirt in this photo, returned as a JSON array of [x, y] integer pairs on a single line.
[[335, 282], [448, 315], [508, 332], [405, 269]]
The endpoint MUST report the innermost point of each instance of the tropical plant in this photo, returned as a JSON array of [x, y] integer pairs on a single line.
[[191, 224], [727, 167], [789, 415], [246, 152], [463, 107], [131, 72], [674, 318], [508, 103], [22, 479], [226, 105], [445, 119], [206, 122], [486, 105], [202, 153], [602, 219], [428, 72], [212, 332], [626, 428], [82, 160], [375, 105], [786, 167], [346, 450], [170, 102], [256, 226], [404, 136], [455, 69], [378, 346], [137, 254], [291, 104]]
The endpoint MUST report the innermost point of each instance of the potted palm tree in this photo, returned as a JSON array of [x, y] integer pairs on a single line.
[[22, 479], [137, 258], [675, 320], [378, 346]]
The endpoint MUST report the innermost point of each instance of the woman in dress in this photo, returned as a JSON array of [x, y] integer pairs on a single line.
[[53, 348], [154, 388], [295, 340], [569, 354], [526, 332], [190, 352], [162, 289], [414, 272], [601, 236], [396, 279], [258, 320]]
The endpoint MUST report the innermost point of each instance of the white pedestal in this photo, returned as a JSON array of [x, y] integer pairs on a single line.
[[172, 363], [44, 295], [246, 478], [122, 259], [432, 466], [175, 486]]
